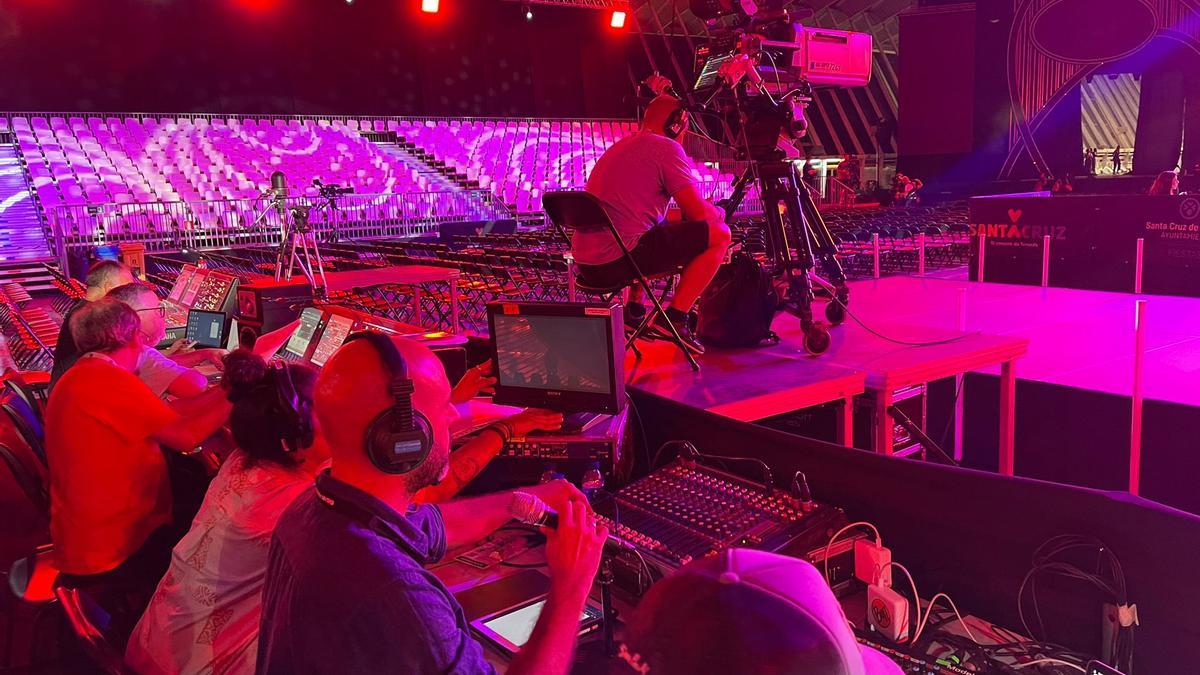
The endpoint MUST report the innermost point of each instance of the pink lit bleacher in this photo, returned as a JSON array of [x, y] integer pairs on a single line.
[[97, 161], [88, 161], [519, 160]]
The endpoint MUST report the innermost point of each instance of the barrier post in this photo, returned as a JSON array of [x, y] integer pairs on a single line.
[[1045, 261], [921, 254], [875, 251], [1135, 426], [960, 393], [1137, 266], [979, 264]]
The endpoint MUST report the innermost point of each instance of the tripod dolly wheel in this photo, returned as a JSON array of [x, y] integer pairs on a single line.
[[816, 339], [835, 312]]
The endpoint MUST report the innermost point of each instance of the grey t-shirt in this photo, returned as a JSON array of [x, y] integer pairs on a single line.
[[634, 180]]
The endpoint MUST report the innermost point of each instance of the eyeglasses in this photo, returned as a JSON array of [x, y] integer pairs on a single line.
[[162, 311]]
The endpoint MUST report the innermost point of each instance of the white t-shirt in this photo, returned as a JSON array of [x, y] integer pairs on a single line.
[[634, 180], [204, 615], [157, 371]]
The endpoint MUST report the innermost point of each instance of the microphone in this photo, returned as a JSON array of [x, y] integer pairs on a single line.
[[531, 510], [279, 183]]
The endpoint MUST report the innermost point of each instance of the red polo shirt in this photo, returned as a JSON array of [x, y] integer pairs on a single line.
[[108, 478]]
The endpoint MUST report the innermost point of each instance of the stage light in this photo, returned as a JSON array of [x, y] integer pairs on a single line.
[[429, 6], [618, 19], [528, 13]]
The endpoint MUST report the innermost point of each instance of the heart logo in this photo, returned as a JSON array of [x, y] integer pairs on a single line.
[[1014, 214]]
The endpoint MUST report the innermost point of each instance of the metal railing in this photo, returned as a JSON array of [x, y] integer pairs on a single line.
[[225, 223]]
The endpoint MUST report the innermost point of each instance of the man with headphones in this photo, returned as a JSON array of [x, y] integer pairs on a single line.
[[346, 586], [635, 180]]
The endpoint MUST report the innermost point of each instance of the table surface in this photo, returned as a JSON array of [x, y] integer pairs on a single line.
[[743, 384], [933, 352]]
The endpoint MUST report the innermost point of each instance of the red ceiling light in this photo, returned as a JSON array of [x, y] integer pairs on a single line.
[[429, 6], [618, 19]]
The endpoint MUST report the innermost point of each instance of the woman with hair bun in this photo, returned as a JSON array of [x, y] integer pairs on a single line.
[[204, 615]]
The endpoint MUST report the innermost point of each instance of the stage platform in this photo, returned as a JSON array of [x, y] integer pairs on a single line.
[[1072, 389]]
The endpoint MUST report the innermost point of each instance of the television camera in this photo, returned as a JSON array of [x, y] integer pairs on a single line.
[[755, 78]]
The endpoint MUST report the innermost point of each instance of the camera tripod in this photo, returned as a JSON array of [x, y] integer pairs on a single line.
[[793, 222], [298, 248]]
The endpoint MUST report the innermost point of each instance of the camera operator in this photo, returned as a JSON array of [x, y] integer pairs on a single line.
[[635, 179]]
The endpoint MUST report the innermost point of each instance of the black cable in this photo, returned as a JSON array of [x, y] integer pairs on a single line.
[[641, 425], [953, 411], [872, 331], [686, 445]]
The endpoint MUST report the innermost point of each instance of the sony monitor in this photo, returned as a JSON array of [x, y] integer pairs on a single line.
[[562, 356]]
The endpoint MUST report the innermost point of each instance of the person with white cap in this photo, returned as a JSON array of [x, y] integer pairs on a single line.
[[745, 611]]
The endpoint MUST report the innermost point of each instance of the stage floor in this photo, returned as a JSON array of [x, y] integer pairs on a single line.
[[1077, 338]]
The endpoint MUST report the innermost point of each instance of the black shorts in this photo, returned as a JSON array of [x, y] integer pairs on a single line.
[[664, 248]]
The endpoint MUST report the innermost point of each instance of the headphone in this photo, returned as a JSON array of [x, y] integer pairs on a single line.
[[297, 429], [398, 439], [675, 124]]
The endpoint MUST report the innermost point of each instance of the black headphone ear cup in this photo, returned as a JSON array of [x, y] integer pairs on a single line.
[[397, 452]]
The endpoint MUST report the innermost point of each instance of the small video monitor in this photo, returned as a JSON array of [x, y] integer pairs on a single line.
[[563, 356], [509, 629], [206, 329], [297, 344], [337, 329]]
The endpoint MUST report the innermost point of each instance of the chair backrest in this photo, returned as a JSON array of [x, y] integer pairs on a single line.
[[90, 623], [17, 384], [28, 480], [578, 210], [26, 421]]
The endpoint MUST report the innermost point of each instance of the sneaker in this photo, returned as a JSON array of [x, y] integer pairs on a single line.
[[634, 313], [680, 321]]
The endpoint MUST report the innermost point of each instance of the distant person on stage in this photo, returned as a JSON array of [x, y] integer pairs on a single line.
[[1116, 160], [1166, 184], [635, 179], [346, 587], [102, 277]]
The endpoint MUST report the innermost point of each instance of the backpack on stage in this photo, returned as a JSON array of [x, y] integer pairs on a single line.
[[737, 308]]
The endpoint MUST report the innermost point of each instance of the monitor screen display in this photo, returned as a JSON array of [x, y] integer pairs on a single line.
[[206, 328], [337, 329], [512, 628], [297, 344], [181, 283], [193, 287], [563, 353]]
